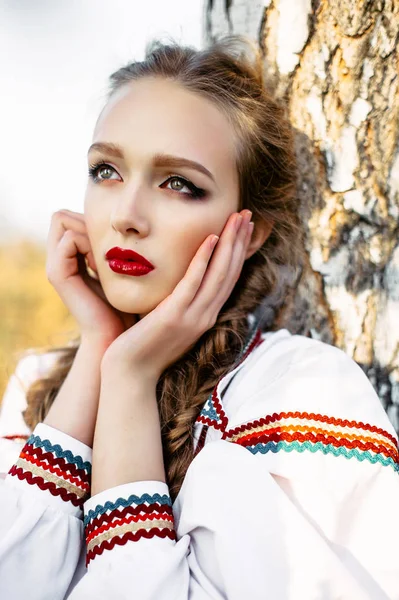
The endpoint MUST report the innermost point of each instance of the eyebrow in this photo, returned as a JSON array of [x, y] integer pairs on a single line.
[[158, 160]]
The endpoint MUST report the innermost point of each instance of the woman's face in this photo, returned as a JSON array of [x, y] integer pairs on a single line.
[[140, 200]]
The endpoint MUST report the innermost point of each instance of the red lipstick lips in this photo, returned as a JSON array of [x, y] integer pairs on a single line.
[[128, 262]]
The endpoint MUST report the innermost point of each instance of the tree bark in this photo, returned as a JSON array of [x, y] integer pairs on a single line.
[[335, 63]]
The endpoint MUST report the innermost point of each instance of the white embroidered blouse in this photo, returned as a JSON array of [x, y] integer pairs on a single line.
[[293, 494]]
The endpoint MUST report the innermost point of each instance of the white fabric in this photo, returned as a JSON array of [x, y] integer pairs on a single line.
[[29, 368], [280, 525]]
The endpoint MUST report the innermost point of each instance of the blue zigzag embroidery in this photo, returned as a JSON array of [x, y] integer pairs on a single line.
[[209, 411]]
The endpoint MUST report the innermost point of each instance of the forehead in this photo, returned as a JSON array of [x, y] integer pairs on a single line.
[[157, 115]]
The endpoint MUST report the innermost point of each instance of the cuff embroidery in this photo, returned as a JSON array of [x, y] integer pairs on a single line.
[[132, 519], [51, 468]]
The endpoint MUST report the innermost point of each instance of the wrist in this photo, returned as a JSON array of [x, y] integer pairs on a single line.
[[116, 370], [127, 442], [98, 343], [117, 375], [74, 409]]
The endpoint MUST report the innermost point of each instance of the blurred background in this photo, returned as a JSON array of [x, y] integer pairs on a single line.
[[55, 58]]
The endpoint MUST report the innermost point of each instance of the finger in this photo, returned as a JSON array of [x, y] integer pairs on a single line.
[[187, 287], [63, 262], [61, 221], [235, 268], [96, 286], [76, 247], [73, 213], [91, 266], [238, 257], [218, 274]]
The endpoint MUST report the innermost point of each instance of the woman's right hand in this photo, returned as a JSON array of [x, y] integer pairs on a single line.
[[67, 247]]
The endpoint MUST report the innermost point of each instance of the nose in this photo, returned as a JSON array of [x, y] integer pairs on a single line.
[[130, 214]]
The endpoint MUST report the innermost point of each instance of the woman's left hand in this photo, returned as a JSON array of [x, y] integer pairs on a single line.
[[172, 328]]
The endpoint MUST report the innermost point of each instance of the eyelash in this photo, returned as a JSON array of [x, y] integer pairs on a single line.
[[195, 194]]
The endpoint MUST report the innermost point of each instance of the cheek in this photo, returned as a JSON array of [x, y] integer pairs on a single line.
[[185, 242]]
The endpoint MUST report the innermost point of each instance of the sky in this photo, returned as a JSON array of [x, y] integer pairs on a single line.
[[55, 60]]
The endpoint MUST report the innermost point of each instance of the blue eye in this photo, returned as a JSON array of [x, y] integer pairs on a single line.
[[194, 193]]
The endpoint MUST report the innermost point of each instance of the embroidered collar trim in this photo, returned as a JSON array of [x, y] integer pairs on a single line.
[[212, 413]]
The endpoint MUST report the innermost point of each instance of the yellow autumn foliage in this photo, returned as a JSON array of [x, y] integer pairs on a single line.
[[32, 313]]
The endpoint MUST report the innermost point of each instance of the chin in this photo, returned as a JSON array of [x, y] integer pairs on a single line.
[[131, 303], [136, 295], [132, 307]]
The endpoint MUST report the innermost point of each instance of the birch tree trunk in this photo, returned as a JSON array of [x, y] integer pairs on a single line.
[[336, 63]]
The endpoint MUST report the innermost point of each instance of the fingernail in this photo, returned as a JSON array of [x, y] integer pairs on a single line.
[[214, 241], [247, 215]]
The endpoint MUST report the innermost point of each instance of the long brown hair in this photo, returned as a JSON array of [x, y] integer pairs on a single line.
[[227, 75]]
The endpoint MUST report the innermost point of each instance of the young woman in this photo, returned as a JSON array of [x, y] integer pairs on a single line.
[[183, 448]]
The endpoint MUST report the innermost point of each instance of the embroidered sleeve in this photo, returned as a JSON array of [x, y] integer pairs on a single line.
[[300, 538], [119, 517], [54, 467], [41, 516], [298, 498], [132, 545]]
